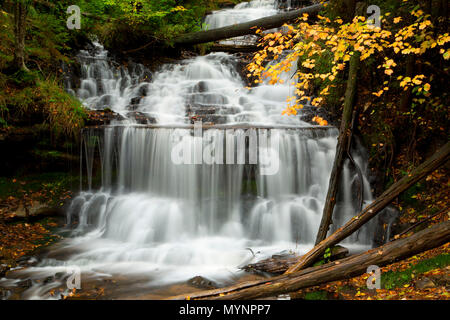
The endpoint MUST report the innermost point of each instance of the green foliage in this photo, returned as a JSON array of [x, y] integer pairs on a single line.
[[66, 114], [133, 22], [54, 182], [408, 197], [45, 100], [327, 254], [26, 97], [392, 279], [325, 259], [316, 295]]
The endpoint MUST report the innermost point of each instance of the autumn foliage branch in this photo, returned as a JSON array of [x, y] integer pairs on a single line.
[[306, 42]]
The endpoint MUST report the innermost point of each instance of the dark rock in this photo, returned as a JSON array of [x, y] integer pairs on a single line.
[[3, 270], [143, 90], [338, 252], [147, 75], [283, 255], [209, 99], [210, 118], [141, 118], [98, 118], [195, 109], [386, 226], [132, 107], [25, 283], [105, 101], [202, 283], [201, 86], [425, 283], [136, 100], [4, 294], [48, 280], [441, 279], [292, 4], [226, 4], [60, 275]]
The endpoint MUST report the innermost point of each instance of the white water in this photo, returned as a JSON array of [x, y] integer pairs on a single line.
[[163, 223], [179, 90], [242, 12]]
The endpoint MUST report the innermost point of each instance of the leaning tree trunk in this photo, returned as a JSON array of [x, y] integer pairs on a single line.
[[20, 20], [342, 269], [438, 159], [243, 29], [342, 146]]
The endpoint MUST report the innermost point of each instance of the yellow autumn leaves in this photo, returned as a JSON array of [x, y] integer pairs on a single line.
[[416, 81], [307, 42]]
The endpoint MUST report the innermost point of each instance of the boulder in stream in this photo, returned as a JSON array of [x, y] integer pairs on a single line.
[[202, 283]]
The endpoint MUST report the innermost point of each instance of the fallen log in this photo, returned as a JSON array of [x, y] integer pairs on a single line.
[[233, 48], [434, 162], [242, 29], [345, 268], [279, 265]]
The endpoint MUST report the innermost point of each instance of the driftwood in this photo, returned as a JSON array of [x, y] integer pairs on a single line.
[[434, 162], [343, 142], [242, 29], [346, 268]]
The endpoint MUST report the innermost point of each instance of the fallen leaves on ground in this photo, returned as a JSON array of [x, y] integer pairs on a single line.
[[356, 288]]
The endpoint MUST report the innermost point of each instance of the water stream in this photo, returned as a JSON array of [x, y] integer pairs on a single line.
[[160, 222]]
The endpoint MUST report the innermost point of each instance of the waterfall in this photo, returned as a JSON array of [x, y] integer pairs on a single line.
[[162, 222]]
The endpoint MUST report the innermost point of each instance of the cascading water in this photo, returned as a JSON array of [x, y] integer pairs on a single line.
[[163, 222], [242, 12]]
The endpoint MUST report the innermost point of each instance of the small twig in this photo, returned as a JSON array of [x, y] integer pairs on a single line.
[[141, 48], [420, 222], [37, 64]]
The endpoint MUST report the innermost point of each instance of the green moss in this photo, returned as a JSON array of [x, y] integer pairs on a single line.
[[408, 198], [44, 101], [393, 279], [48, 154], [66, 114], [316, 295]]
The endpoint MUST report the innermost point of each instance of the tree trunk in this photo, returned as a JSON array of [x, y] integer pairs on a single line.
[[344, 8], [343, 142], [242, 29], [20, 19], [405, 100], [438, 159], [343, 269]]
